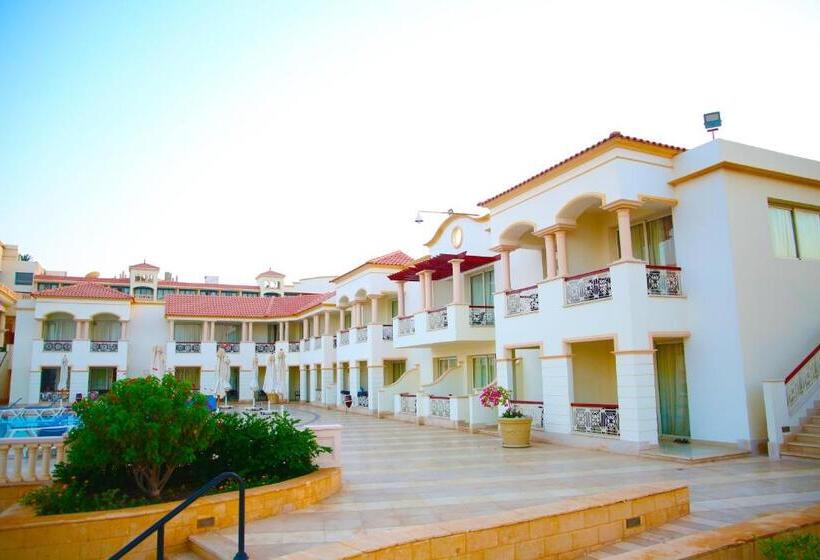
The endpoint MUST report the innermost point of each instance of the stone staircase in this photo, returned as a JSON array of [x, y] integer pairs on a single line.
[[805, 441]]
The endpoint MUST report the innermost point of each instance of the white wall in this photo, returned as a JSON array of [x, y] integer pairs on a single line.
[[21, 357], [146, 329]]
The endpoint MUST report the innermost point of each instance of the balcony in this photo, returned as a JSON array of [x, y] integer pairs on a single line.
[[105, 346], [293, 346], [407, 325], [454, 323], [229, 347], [440, 407], [482, 316], [57, 345], [522, 301], [317, 343], [663, 281], [437, 319], [188, 347], [361, 335], [387, 332], [344, 338], [589, 286], [265, 347], [595, 418]]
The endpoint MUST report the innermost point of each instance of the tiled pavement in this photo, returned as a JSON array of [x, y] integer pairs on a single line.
[[399, 474]]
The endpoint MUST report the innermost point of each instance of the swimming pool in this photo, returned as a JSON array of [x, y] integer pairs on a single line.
[[28, 426]]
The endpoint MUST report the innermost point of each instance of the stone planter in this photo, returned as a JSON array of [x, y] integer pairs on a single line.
[[273, 398], [515, 432]]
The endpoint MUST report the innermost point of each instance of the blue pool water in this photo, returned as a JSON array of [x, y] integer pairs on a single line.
[[37, 427]]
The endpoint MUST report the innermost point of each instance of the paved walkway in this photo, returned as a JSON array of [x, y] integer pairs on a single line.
[[398, 474]]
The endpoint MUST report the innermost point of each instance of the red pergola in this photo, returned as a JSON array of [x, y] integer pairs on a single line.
[[441, 267]]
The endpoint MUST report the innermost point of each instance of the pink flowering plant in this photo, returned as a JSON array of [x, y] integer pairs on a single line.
[[493, 396]]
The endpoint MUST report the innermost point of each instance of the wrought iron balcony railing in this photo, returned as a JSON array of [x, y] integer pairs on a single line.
[[590, 286]]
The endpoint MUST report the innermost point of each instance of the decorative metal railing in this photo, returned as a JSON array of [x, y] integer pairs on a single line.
[[306, 345], [188, 347], [317, 343], [801, 381], [437, 319], [407, 325], [440, 407], [104, 345], [265, 347], [38, 463], [344, 338], [522, 300], [229, 347], [482, 316], [589, 286], [362, 401], [532, 409], [408, 403], [663, 280], [56, 346], [387, 332], [596, 418], [361, 335], [293, 346], [335, 342]]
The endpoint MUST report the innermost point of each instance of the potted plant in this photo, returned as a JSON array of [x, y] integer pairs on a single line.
[[513, 425]]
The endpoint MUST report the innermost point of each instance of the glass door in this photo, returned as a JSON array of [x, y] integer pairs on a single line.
[[673, 397]]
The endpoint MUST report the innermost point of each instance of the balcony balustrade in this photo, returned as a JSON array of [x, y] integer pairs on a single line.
[[663, 280], [387, 332], [801, 381], [437, 319], [104, 345], [57, 346], [596, 418], [407, 403], [361, 335], [293, 346], [317, 343], [265, 347], [440, 407], [362, 400], [38, 463], [188, 347], [344, 338], [229, 347], [482, 316], [532, 409], [522, 300], [590, 286], [407, 325]]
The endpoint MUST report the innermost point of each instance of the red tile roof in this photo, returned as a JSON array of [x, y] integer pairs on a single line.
[[127, 281], [395, 259], [84, 290], [612, 138], [270, 272], [75, 279], [441, 267], [144, 265], [239, 307]]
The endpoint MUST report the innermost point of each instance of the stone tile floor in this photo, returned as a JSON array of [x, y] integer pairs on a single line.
[[399, 474]]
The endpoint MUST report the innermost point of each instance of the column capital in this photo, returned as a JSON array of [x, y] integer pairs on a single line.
[[621, 204], [563, 226], [503, 248]]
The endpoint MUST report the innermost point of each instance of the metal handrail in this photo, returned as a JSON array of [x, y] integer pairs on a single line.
[[159, 526]]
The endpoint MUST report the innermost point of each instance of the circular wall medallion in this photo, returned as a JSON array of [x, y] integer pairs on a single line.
[[456, 237]]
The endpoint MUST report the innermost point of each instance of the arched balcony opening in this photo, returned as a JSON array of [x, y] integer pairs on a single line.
[[59, 327], [522, 251], [105, 332]]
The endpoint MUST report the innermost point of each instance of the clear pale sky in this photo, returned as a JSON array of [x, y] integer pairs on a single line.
[[226, 137]]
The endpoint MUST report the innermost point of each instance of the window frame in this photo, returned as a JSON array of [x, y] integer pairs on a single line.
[[18, 275], [791, 208]]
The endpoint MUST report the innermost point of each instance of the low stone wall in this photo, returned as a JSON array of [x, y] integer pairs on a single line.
[[95, 535], [10, 493], [741, 540], [569, 528]]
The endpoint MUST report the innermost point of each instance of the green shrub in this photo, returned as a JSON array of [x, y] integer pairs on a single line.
[[146, 426], [794, 547], [73, 498]]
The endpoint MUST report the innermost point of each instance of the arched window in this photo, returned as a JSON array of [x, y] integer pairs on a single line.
[[105, 327], [59, 326]]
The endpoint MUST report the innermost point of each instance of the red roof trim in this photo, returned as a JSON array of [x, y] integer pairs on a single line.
[[83, 290], [441, 267], [394, 259], [239, 307]]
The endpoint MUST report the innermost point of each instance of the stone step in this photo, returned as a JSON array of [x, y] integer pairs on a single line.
[[801, 454], [810, 429], [799, 449], [803, 437]]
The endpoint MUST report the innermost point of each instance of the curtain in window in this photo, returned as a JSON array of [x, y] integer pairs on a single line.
[[189, 375], [105, 330], [638, 242], [672, 392], [781, 228], [444, 364], [228, 332], [187, 332], [99, 379], [807, 224], [59, 329], [661, 241], [483, 371], [477, 289]]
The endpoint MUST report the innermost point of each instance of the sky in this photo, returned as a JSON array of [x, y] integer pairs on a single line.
[[223, 138]]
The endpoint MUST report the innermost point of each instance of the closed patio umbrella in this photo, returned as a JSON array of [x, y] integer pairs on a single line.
[[223, 375], [281, 369], [254, 379], [267, 385], [62, 383], [158, 362]]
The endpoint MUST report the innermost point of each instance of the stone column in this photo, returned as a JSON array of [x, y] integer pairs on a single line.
[[506, 278], [427, 288], [327, 323], [303, 384], [374, 310], [316, 330], [205, 331], [637, 407], [341, 318], [212, 331], [561, 252], [400, 292], [375, 381], [625, 234], [123, 330], [353, 375], [305, 328], [170, 329], [78, 330], [549, 244], [458, 282]]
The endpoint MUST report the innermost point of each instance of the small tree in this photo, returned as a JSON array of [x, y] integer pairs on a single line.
[[146, 425]]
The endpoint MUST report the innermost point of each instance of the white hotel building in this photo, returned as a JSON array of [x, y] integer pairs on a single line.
[[631, 294]]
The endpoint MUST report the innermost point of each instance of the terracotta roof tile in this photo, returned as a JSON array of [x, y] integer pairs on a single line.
[[144, 265], [84, 290], [270, 272], [613, 136], [241, 307], [396, 258]]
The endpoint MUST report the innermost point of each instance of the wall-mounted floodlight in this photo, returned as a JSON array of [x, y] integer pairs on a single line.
[[449, 212], [711, 121]]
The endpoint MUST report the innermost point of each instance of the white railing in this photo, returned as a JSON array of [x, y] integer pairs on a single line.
[[801, 381], [104, 345], [407, 325], [437, 319], [440, 407], [663, 280], [596, 418], [387, 332], [293, 346], [522, 300], [317, 343], [361, 335], [408, 403], [590, 286], [532, 409], [344, 338], [482, 316], [29, 459]]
